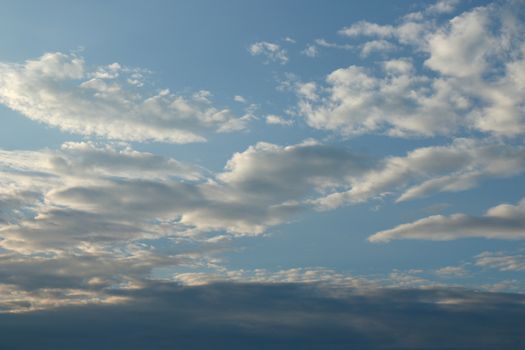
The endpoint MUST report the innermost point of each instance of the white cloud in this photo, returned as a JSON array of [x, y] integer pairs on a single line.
[[476, 58], [277, 120], [364, 28], [504, 221], [58, 89], [461, 48], [442, 6], [380, 46], [239, 98], [273, 52]]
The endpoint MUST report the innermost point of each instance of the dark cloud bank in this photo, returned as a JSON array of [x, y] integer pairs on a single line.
[[256, 316]]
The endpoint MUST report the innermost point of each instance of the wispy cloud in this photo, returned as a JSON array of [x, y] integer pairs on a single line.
[[271, 51]]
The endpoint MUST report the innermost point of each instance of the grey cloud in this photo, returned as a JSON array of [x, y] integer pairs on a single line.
[[258, 316]]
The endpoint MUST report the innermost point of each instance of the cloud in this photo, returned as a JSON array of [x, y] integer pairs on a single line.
[[476, 60], [442, 6], [501, 261], [364, 28], [451, 271], [275, 119], [311, 51], [273, 52], [88, 216], [59, 89], [258, 316], [239, 98], [109, 193], [376, 46], [459, 166], [504, 221], [321, 277]]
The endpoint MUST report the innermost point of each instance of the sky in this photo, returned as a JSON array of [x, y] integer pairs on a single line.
[[262, 174]]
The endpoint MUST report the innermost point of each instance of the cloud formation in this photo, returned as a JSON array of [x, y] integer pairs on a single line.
[[109, 193], [60, 90], [475, 83], [504, 221]]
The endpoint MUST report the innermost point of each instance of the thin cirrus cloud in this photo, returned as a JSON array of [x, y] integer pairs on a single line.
[[476, 80], [111, 102], [504, 221]]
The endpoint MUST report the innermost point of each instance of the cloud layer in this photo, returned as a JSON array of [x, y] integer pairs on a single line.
[[240, 316]]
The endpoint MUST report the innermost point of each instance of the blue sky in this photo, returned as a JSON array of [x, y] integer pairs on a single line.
[[352, 145]]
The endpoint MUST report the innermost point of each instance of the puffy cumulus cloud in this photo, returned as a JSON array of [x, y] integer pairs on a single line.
[[354, 101], [504, 221], [60, 90], [462, 46], [271, 51], [455, 167], [470, 77]]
